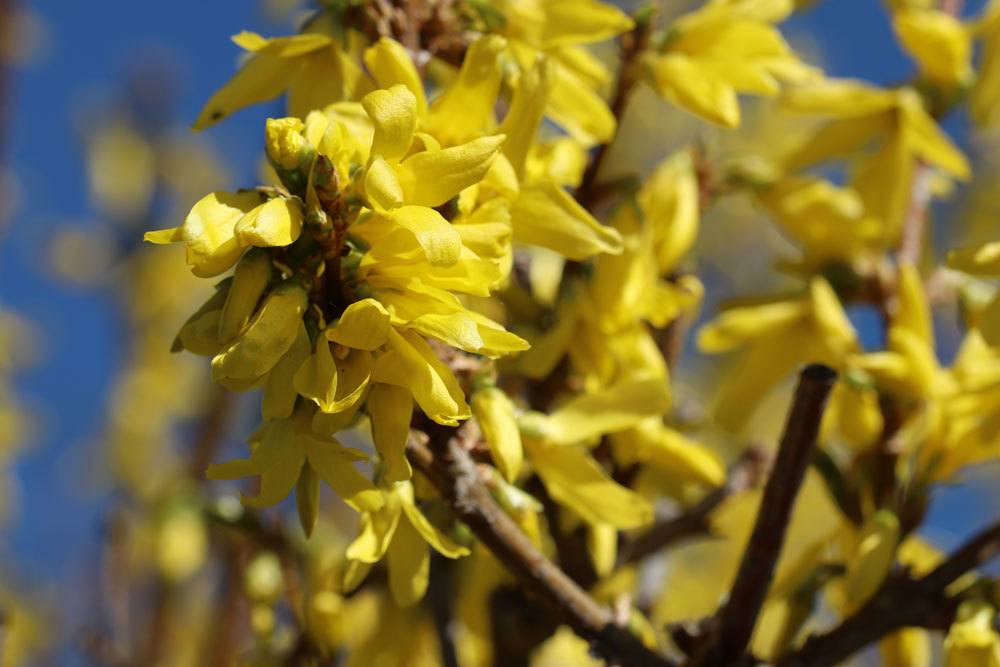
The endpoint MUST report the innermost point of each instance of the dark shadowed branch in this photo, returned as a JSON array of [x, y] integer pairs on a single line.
[[736, 619]]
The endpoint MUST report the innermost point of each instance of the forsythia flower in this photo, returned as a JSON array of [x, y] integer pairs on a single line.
[[725, 48], [312, 68], [971, 640], [898, 126], [400, 532], [780, 333], [827, 222], [938, 42], [559, 29], [985, 99]]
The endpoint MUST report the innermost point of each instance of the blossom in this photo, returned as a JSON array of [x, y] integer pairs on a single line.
[[725, 48]]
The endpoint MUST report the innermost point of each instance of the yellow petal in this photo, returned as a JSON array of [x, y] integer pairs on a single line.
[[411, 363], [574, 479], [382, 187], [390, 409], [928, 140], [441, 243], [689, 85], [409, 565], [431, 534], [164, 236], [913, 313], [680, 458], [275, 223], [581, 22], [377, 530], [286, 146], [316, 378], [263, 77], [390, 64], [909, 647], [267, 338], [669, 199], [546, 215], [277, 459], [939, 43], [525, 115], [465, 109], [364, 325], [616, 408], [874, 557], [251, 278], [279, 397], [495, 414], [971, 640], [576, 107], [209, 231], [737, 325], [200, 333], [432, 177], [335, 465], [394, 115]]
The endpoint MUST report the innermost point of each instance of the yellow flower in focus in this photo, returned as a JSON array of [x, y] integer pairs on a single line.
[[312, 68], [222, 225], [560, 29]]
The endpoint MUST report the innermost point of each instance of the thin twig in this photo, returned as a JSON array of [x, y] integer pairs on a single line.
[[738, 616], [695, 520], [901, 602], [454, 474], [632, 46]]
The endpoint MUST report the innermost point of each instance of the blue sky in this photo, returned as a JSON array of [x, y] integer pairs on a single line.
[[91, 46]]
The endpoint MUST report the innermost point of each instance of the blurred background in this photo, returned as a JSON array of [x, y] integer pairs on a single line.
[[95, 104]]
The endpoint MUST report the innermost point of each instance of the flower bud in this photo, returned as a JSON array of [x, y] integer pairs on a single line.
[[286, 145]]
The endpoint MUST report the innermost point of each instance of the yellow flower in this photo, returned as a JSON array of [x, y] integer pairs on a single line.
[[939, 43], [222, 225], [725, 48], [780, 334], [862, 115], [985, 100], [281, 450], [495, 413], [874, 556], [827, 222], [559, 29], [312, 68], [971, 640], [400, 532]]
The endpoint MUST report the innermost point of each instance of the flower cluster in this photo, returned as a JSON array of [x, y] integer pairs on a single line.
[[441, 249]]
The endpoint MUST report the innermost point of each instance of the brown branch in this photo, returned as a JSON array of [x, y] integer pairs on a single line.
[[695, 520], [453, 473], [901, 602], [736, 619]]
